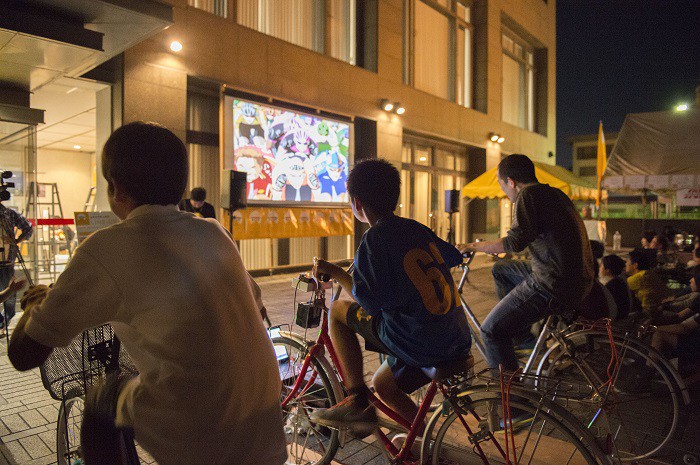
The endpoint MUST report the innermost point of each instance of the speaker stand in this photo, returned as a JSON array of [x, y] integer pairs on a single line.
[[451, 231]]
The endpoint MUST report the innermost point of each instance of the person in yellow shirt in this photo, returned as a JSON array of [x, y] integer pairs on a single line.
[[644, 281]]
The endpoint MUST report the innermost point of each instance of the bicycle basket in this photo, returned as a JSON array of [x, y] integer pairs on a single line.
[[70, 371]]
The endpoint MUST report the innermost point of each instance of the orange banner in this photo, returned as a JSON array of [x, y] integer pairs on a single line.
[[278, 223]]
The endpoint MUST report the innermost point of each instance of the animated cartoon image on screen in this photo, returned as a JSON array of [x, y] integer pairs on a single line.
[[300, 158]]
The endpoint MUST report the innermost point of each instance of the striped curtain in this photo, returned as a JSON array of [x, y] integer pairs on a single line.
[[301, 22], [205, 172], [217, 7]]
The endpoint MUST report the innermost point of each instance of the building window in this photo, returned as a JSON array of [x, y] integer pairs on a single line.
[[589, 152], [518, 92], [430, 168], [341, 30], [438, 48], [217, 7], [587, 171], [303, 23]]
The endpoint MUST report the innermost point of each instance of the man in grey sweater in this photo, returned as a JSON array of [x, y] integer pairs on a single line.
[[546, 221]]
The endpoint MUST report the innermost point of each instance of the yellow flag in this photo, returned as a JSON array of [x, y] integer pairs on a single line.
[[602, 160]]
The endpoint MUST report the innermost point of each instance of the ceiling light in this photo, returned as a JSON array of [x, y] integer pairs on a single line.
[[422, 159], [682, 107], [175, 46], [501, 139], [386, 105], [400, 110], [77, 147], [493, 136]]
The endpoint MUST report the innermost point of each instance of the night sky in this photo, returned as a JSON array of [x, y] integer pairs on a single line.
[[616, 57]]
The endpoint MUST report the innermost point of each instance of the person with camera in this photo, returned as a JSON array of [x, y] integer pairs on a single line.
[[11, 223]]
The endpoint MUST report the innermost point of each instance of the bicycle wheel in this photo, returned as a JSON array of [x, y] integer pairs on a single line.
[[70, 418], [620, 414], [307, 443], [476, 422]]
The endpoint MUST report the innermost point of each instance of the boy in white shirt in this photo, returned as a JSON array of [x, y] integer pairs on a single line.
[[209, 386]]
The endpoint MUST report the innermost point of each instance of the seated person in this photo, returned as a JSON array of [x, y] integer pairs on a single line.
[[546, 221], [197, 204], [682, 336], [209, 385], [695, 261], [647, 237], [666, 257], [645, 282], [611, 269], [405, 303]]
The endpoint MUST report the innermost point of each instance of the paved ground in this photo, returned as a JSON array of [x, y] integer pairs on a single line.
[[28, 414]]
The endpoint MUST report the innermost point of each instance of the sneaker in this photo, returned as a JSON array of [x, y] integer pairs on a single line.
[[347, 414]]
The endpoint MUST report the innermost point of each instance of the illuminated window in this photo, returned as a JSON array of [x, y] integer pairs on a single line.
[[438, 48], [518, 90]]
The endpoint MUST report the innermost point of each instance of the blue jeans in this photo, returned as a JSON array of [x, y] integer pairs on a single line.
[[6, 274], [509, 273], [526, 304]]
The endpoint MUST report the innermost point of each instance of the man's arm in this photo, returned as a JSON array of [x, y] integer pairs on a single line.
[[486, 246]]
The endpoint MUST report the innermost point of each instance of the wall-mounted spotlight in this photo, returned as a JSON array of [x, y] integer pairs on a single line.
[[494, 137], [394, 107], [175, 46]]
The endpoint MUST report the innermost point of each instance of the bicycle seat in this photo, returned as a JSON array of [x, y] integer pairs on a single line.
[[448, 369]]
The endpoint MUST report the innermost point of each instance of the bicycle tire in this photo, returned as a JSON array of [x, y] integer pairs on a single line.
[[642, 385], [307, 443], [70, 418], [554, 441]]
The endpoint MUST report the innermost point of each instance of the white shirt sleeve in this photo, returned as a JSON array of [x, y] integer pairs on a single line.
[[84, 296]]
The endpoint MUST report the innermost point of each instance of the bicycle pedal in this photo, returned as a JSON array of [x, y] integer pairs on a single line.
[[483, 434]]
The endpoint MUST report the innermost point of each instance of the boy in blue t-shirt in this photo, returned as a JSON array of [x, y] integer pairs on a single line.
[[405, 303]]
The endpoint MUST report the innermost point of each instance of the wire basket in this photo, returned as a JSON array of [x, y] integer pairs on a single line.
[[70, 371]]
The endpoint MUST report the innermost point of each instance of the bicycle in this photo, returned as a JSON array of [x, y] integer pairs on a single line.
[[618, 366], [69, 373], [466, 428]]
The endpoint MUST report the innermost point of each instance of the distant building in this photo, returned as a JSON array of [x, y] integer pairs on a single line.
[[584, 150]]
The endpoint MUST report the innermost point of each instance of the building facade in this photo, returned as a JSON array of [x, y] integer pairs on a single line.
[[469, 81], [584, 151]]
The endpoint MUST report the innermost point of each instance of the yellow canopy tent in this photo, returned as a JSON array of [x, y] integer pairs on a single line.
[[486, 186]]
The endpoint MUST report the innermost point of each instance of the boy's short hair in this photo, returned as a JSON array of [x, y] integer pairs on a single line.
[[696, 252], [148, 161], [615, 264], [377, 184], [644, 258], [696, 275], [198, 194], [517, 167]]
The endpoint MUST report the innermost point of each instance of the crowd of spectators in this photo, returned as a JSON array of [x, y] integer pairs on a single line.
[[653, 287]]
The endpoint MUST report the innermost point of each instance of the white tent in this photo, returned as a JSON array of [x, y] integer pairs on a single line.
[[657, 151]]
